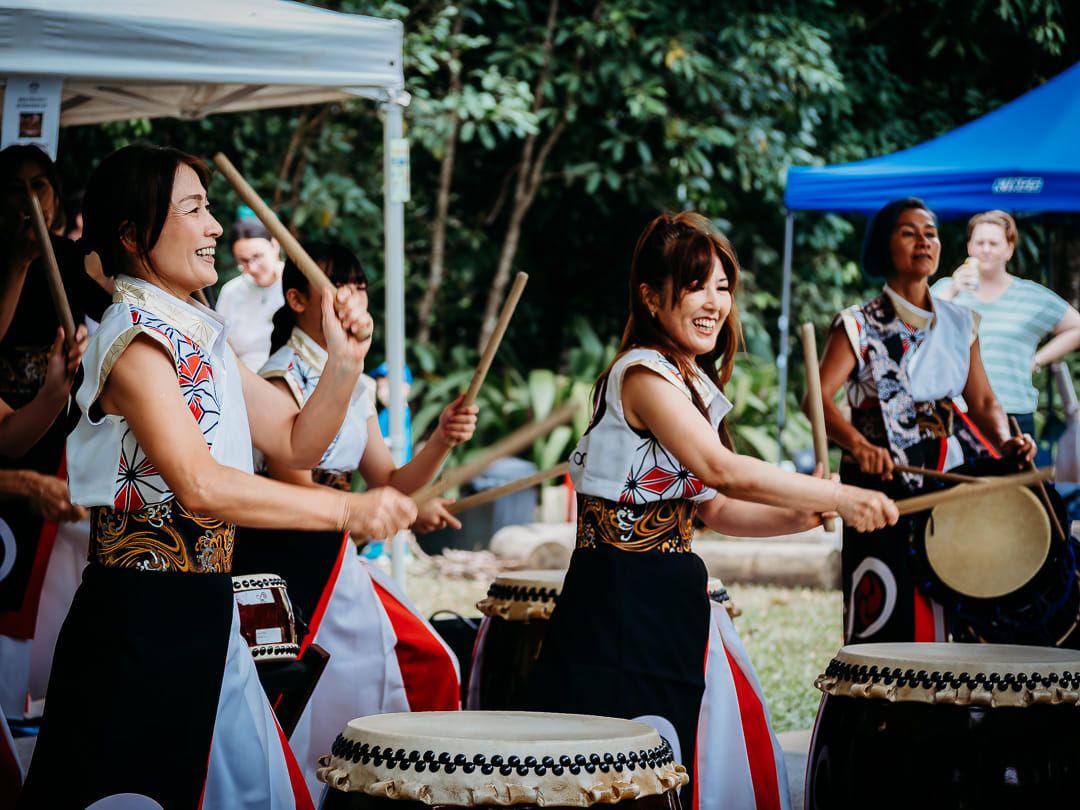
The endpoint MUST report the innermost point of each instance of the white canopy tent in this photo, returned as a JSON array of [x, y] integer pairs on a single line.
[[122, 59]]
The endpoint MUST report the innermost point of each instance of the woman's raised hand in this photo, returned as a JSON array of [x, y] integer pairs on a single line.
[[1020, 447], [378, 513], [347, 325], [865, 510], [457, 422], [63, 363]]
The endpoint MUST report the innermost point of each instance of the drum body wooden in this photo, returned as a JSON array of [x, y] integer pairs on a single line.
[[946, 726], [266, 617], [411, 761], [1003, 584], [516, 611]]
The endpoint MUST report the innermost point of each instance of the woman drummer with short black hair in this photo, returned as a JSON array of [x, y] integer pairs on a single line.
[[628, 637], [902, 358]]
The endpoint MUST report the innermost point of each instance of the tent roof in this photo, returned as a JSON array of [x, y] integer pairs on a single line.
[[1023, 156], [190, 58]]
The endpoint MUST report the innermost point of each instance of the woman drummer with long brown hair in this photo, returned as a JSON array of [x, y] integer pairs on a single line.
[[628, 637]]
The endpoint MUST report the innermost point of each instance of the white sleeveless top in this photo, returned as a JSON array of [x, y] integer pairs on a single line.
[[300, 364], [106, 465], [616, 462]]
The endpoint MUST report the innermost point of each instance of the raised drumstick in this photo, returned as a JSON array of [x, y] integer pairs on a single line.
[[817, 409], [496, 338], [52, 269], [956, 478], [488, 495], [921, 503], [514, 443], [1059, 532], [312, 272]]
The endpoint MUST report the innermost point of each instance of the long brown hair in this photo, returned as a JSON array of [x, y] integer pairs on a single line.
[[681, 248]]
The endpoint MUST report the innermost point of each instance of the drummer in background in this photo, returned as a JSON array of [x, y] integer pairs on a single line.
[[249, 301], [384, 657], [152, 682], [628, 637], [901, 359], [1015, 315], [35, 495]]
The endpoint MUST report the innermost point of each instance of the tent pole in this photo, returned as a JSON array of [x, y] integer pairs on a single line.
[[394, 229], [785, 318]]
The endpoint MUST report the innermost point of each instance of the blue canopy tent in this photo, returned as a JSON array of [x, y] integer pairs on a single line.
[[1022, 157]]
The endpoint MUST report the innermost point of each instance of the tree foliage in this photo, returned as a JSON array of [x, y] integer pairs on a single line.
[[568, 124]]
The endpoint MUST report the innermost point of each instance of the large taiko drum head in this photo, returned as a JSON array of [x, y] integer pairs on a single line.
[[474, 759], [988, 546], [946, 726], [522, 596]]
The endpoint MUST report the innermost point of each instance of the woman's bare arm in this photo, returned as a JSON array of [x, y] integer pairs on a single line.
[[142, 388], [1066, 339], [655, 404], [298, 437], [744, 519]]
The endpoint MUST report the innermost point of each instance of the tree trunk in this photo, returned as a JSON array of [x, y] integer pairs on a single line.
[[529, 176], [436, 265]]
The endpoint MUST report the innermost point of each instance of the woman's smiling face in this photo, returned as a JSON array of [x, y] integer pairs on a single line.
[[914, 246], [183, 256], [693, 322]]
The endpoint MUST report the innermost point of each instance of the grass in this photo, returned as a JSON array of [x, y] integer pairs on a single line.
[[790, 633]]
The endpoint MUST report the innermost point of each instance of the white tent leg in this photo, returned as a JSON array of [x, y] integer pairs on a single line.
[[785, 318], [394, 218]]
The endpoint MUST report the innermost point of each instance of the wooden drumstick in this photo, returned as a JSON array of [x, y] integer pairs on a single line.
[[817, 408], [514, 443], [956, 478], [1059, 532], [920, 503], [312, 272], [52, 269], [488, 495], [496, 338]]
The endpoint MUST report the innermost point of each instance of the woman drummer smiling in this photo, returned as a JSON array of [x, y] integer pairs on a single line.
[[151, 649], [629, 634]]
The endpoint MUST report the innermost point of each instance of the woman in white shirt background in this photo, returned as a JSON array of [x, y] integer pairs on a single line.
[[1016, 314], [249, 301]]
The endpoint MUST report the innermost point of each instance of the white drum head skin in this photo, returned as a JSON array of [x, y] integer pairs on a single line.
[[521, 596], [988, 546], [964, 674], [472, 759]]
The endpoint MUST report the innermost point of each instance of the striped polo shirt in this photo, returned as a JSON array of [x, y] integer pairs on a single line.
[[1012, 326]]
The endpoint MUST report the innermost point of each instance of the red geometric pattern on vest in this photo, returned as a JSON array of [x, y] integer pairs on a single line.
[[659, 476], [138, 483]]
